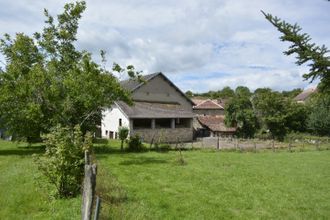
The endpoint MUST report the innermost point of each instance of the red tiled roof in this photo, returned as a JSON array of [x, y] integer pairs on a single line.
[[207, 104], [215, 123], [304, 95]]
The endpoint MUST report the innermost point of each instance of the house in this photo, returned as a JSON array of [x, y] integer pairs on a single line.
[[160, 111], [305, 95], [209, 120]]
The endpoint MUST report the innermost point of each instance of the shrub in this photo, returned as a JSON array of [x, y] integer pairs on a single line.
[[123, 133], [63, 162], [164, 147], [135, 143]]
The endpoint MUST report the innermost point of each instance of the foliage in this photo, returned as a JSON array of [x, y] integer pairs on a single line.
[[239, 113], [189, 94], [319, 118], [135, 143], [63, 161], [292, 93], [47, 81], [278, 114], [123, 133], [243, 91], [307, 52]]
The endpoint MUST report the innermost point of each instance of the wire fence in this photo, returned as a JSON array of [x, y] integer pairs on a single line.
[[227, 143]]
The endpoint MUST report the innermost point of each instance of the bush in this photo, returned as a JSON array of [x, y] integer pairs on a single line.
[[164, 147], [63, 162], [135, 143], [123, 133]]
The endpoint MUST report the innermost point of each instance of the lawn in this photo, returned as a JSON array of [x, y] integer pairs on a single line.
[[22, 195], [152, 185], [215, 185]]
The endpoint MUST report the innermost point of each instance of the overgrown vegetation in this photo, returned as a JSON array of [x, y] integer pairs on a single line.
[[135, 143], [63, 161]]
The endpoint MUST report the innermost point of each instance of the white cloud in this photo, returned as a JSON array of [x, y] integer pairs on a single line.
[[199, 44]]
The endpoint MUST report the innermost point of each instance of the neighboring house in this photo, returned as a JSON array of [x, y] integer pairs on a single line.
[[305, 95], [160, 111], [210, 119]]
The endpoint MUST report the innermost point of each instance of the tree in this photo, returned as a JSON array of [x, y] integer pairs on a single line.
[[189, 94], [226, 93], [278, 114], [243, 91], [47, 81], [319, 119], [270, 109], [307, 52], [123, 133], [239, 113], [292, 93]]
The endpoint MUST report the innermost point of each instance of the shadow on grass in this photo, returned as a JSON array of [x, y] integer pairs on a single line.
[[142, 161], [106, 149], [23, 151]]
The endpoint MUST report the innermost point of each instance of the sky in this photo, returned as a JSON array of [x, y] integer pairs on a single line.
[[200, 45]]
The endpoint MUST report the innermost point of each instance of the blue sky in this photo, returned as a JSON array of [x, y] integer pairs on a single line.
[[199, 44]]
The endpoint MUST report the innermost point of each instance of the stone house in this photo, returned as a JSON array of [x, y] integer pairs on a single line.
[[160, 111], [209, 120]]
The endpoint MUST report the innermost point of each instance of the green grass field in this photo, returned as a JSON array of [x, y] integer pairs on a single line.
[[152, 185], [22, 196], [215, 185]]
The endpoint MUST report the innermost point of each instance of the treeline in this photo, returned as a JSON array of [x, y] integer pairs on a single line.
[[273, 114], [228, 92]]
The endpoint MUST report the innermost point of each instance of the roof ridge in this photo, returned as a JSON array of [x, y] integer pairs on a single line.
[[210, 101]]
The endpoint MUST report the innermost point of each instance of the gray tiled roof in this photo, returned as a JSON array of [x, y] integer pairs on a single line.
[[154, 110], [131, 85]]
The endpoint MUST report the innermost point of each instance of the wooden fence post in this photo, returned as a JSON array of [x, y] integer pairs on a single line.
[[218, 144], [97, 208], [273, 145], [88, 188], [255, 146]]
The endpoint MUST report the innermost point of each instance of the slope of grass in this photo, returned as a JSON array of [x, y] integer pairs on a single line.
[[22, 196], [215, 185]]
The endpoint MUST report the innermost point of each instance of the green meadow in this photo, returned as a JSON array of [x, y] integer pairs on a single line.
[[154, 185]]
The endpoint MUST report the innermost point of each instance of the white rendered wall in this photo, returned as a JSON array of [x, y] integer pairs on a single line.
[[110, 121]]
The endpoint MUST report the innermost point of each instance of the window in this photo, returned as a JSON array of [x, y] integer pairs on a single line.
[[111, 135], [120, 123], [182, 123], [163, 123], [141, 123], [106, 132]]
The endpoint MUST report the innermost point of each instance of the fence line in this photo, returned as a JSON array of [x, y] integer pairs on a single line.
[[238, 144], [89, 184]]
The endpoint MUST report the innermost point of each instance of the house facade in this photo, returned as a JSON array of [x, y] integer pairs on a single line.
[[160, 112], [209, 120]]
